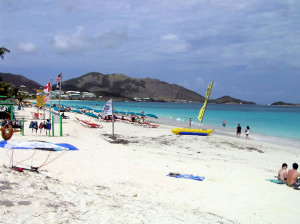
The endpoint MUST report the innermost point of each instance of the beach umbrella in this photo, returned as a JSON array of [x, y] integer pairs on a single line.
[[97, 111], [77, 111], [130, 113], [91, 115], [140, 114], [88, 108], [116, 112], [151, 115]]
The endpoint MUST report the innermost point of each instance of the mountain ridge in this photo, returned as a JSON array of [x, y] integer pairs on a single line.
[[123, 88], [132, 87]]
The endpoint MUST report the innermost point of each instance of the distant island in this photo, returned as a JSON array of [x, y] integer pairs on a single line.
[[120, 87], [280, 103], [229, 100]]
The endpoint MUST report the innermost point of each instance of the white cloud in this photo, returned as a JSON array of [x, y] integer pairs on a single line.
[[171, 43], [28, 47], [71, 43], [169, 36]]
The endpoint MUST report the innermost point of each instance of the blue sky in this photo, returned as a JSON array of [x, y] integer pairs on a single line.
[[250, 48]]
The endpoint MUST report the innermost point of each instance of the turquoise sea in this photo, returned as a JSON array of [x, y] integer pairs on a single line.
[[272, 121]]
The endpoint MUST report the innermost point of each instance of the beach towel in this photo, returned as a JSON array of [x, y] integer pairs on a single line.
[[186, 176], [275, 181]]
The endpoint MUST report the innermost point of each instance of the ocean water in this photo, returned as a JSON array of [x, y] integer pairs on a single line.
[[273, 121]]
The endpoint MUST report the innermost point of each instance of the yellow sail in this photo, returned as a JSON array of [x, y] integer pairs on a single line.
[[202, 111]]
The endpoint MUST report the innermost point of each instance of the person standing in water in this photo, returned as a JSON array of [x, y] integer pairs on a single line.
[[238, 131], [224, 123], [190, 123], [247, 132]]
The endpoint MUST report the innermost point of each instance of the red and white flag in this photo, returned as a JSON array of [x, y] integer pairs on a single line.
[[47, 88], [58, 79]]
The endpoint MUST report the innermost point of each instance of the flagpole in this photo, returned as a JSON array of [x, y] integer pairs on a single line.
[[50, 99], [59, 93], [113, 120]]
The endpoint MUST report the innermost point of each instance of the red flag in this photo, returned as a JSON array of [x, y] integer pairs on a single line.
[[47, 88], [59, 77]]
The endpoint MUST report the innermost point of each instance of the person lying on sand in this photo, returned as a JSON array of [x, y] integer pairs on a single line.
[[292, 177], [282, 173]]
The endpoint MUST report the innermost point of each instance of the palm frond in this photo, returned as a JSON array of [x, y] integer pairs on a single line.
[[3, 50]]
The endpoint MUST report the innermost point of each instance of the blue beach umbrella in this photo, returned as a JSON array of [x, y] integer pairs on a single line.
[[151, 115], [97, 111], [130, 113], [140, 114], [88, 108], [91, 115], [77, 111]]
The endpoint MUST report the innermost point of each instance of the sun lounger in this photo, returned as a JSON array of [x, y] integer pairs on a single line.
[[88, 124]]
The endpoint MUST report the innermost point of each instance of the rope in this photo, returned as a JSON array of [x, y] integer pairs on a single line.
[[27, 158], [44, 164]]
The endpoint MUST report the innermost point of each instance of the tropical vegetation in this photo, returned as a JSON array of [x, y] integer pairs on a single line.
[[3, 51], [7, 89]]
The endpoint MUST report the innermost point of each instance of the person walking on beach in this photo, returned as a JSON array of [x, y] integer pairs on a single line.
[[238, 131], [282, 173], [190, 123], [292, 177], [247, 132]]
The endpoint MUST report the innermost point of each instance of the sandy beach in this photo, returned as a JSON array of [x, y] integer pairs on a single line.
[[124, 180]]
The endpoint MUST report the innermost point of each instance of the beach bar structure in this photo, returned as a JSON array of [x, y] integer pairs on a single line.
[[8, 103]]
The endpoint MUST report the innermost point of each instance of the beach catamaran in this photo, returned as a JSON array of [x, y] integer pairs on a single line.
[[190, 131]]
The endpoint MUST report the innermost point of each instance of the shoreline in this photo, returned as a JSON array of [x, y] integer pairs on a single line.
[[262, 129], [230, 132], [294, 144]]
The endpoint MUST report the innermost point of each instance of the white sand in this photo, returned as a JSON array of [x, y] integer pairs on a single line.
[[124, 181]]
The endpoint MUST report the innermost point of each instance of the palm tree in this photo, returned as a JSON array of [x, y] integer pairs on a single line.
[[3, 50]]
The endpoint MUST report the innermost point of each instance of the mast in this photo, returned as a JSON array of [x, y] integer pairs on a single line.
[[50, 99], [59, 93], [113, 120]]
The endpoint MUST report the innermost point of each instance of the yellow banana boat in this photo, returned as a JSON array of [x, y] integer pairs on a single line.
[[190, 131]]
